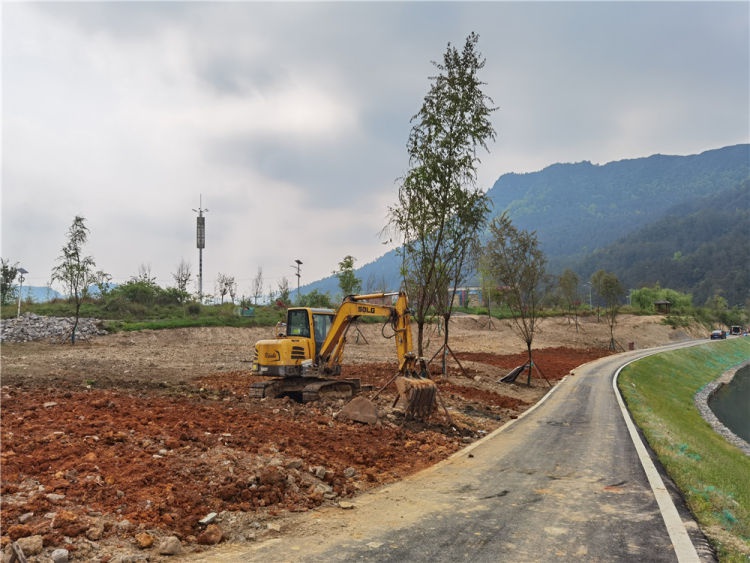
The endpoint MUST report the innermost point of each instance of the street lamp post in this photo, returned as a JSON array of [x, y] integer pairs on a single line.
[[299, 263], [21, 279]]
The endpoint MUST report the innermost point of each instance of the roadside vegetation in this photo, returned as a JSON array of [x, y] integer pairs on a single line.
[[711, 473], [142, 304]]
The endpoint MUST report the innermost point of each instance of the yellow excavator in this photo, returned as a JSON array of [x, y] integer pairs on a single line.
[[305, 359]]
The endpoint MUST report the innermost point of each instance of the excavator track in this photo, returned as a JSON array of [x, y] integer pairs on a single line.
[[306, 389], [261, 389], [330, 389]]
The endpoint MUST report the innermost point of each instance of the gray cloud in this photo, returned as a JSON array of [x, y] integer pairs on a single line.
[[291, 118]]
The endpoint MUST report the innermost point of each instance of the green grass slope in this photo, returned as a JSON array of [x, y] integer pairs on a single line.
[[713, 475]]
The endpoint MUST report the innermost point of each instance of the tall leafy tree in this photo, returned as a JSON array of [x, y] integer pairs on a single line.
[[8, 273], [225, 284], [75, 270], [438, 201], [610, 290], [568, 283], [516, 262], [284, 290], [257, 285], [181, 278], [349, 283]]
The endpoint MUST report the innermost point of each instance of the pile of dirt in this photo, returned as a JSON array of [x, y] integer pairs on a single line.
[[147, 444]]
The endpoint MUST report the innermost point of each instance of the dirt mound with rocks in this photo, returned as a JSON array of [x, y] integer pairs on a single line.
[[30, 327], [139, 446]]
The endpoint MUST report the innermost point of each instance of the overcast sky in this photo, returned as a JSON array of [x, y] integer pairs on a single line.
[[291, 119]]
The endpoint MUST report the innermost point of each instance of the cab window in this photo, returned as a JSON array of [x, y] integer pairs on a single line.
[[298, 324], [322, 324]]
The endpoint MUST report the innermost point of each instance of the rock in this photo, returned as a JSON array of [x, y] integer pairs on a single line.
[[17, 531], [60, 556], [144, 540], [31, 545], [95, 532], [350, 472], [345, 505], [319, 471], [270, 476], [360, 409], [170, 546], [322, 488], [68, 524], [25, 517], [208, 518], [294, 464], [211, 535], [130, 558]]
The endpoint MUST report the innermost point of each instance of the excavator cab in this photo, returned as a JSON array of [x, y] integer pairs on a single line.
[[298, 325]]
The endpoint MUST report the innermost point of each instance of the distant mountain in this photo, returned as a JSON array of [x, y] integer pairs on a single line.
[[39, 294], [577, 208], [700, 247], [582, 208]]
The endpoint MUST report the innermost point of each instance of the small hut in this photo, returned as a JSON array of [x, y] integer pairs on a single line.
[[662, 306]]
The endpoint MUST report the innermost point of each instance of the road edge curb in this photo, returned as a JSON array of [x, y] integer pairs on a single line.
[[678, 534]]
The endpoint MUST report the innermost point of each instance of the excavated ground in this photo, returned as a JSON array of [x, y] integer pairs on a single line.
[[114, 445]]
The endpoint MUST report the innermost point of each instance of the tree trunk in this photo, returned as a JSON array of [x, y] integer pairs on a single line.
[[420, 335], [531, 364], [446, 318], [75, 322]]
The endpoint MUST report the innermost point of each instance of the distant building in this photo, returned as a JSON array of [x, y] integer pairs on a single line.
[[662, 306], [468, 297]]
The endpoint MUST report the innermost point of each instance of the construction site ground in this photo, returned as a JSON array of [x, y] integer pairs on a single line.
[[143, 445]]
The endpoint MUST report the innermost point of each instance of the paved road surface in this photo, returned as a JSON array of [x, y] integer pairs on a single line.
[[563, 483]]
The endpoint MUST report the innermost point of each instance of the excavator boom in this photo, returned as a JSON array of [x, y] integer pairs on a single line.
[[355, 306]]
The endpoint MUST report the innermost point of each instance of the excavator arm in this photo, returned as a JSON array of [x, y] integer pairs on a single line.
[[355, 306]]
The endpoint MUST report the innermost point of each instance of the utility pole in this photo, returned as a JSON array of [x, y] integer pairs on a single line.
[[299, 263], [200, 243]]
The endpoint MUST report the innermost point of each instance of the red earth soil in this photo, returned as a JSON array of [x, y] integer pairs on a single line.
[[108, 464]]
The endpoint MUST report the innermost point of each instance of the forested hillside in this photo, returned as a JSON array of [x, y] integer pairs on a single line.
[[577, 208], [700, 247]]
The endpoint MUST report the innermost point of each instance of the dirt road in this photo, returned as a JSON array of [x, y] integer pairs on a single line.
[[119, 444], [564, 482]]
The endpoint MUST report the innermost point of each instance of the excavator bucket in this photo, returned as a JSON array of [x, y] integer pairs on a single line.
[[418, 396]]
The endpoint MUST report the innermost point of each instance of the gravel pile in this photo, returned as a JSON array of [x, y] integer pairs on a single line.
[[30, 326]]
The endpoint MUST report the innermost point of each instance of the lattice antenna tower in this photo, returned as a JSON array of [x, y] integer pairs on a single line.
[[200, 243]]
